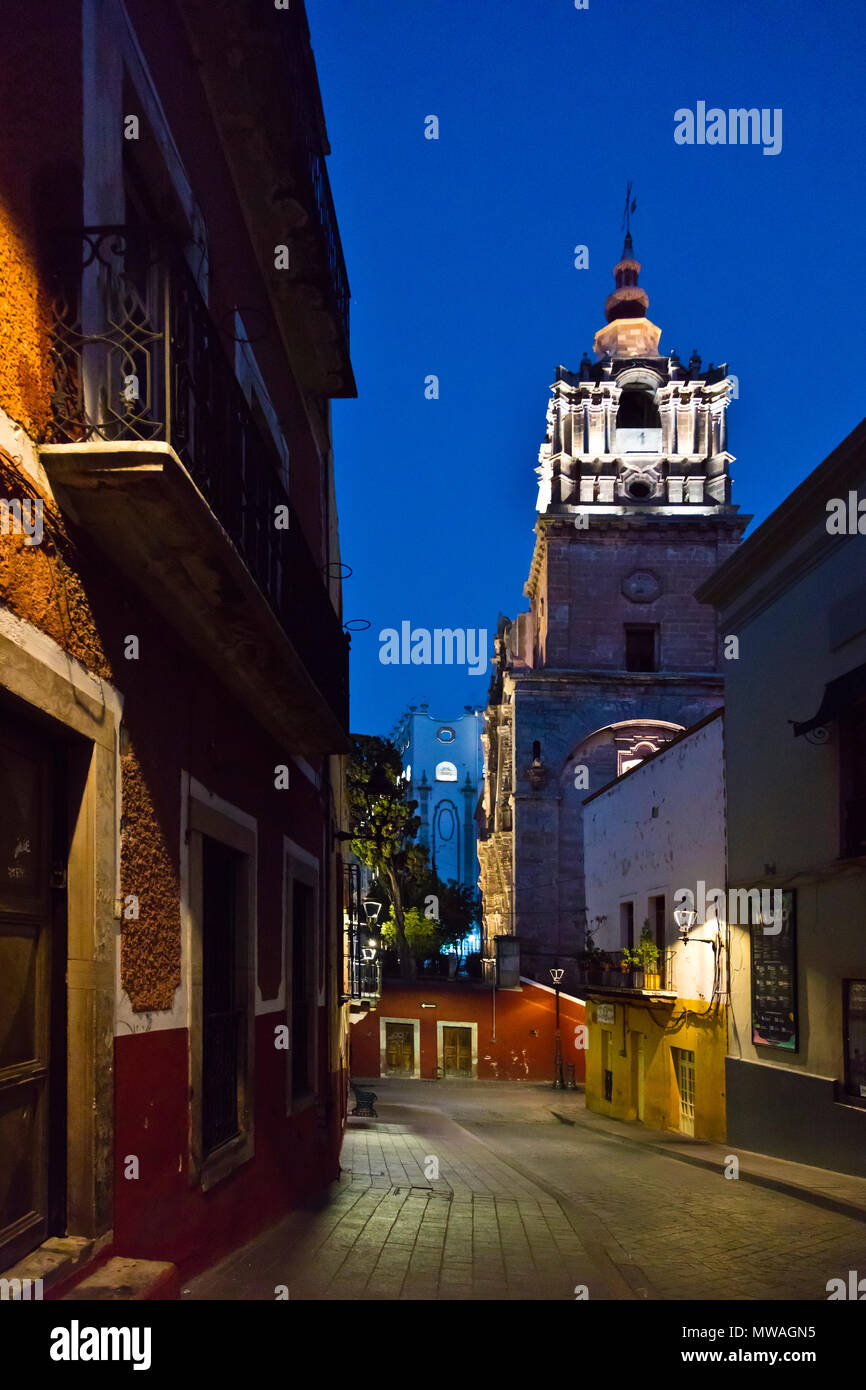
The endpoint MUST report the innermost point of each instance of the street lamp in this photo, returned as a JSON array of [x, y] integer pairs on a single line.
[[491, 960], [685, 918], [371, 912], [371, 967], [556, 975]]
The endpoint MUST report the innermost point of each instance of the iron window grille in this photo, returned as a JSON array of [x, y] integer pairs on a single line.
[[137, 357]]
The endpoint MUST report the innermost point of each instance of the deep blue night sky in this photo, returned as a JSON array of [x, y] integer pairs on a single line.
[[460, 258]]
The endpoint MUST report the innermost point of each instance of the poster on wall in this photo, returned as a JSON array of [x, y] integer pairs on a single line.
[[774, 980]]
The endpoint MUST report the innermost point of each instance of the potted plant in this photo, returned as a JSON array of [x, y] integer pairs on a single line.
[[591, 960], [644, 959], [626, 966]]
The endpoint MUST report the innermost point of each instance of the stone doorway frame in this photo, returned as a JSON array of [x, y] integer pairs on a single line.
[[52, 683], [383, 1045]]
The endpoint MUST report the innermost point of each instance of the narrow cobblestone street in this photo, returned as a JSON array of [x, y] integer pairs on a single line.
[[534, 1197]]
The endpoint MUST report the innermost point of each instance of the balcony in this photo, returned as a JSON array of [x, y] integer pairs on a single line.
[[154, 449], [259, 76], [609, 978], [303, 92]]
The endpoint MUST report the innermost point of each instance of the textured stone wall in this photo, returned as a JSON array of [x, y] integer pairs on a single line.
[[25, 374], [40, 187], [586, 610], [46, 584], [583, 595], [174, 716], [565, 714]]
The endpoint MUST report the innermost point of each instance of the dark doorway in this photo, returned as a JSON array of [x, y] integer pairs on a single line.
[[223, 1011], [658, 922], [33, 865], [303, 924], [626, 925]]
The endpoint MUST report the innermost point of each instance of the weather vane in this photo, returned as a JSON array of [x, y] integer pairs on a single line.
[[630, 205]]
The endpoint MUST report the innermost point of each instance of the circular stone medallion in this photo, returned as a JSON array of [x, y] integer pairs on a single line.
[[642, 586]]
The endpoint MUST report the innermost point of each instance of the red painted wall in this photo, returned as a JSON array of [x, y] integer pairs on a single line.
[[525, 1028], [162, 1215]]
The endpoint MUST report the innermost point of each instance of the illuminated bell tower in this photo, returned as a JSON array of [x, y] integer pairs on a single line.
[[615, 655], [636, 428]]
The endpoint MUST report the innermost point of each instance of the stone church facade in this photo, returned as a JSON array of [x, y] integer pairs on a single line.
[[615, 655], [442, 763]]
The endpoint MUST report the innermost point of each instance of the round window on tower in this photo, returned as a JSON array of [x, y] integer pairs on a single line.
[[446, 735], [640, 490]]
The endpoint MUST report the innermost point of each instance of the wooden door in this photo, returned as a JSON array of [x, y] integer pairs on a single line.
[[400, 1049], [686, 1084], [457, 1051], [30, 1011]]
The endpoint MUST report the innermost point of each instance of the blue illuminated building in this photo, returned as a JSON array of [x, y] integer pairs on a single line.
[[443, 764]]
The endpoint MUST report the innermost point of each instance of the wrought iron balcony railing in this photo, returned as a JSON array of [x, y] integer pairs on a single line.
[[137, 357], [608, 974], [301, 82]]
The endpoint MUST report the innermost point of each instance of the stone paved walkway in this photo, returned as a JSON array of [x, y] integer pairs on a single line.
[[479, 1191]]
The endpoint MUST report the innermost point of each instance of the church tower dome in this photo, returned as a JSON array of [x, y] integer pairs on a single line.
[[628, 300], [629, 332]]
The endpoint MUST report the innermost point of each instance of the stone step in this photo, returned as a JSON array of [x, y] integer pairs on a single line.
[[51, 1263], [122, 1278]]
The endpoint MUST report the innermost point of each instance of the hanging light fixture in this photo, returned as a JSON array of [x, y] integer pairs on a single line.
[[685, 918]]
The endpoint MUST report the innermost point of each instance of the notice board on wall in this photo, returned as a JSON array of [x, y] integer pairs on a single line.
[[774, 980]]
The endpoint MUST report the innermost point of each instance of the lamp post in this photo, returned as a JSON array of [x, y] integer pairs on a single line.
[[491, 960], [556, 975]]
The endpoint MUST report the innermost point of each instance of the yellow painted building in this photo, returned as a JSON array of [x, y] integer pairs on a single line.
[[657, 1060], [657, 1043]]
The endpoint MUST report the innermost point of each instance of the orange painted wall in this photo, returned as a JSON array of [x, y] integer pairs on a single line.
[[525, 1028]]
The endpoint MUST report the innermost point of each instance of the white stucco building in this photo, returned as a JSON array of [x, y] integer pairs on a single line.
[[657, 1045]]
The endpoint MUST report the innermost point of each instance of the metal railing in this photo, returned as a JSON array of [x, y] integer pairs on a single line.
[[303, 93], [136, 356], [609, 974]]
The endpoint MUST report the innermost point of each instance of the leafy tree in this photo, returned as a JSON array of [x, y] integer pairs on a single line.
[[458, 911], [422, 936], [383, 824]]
